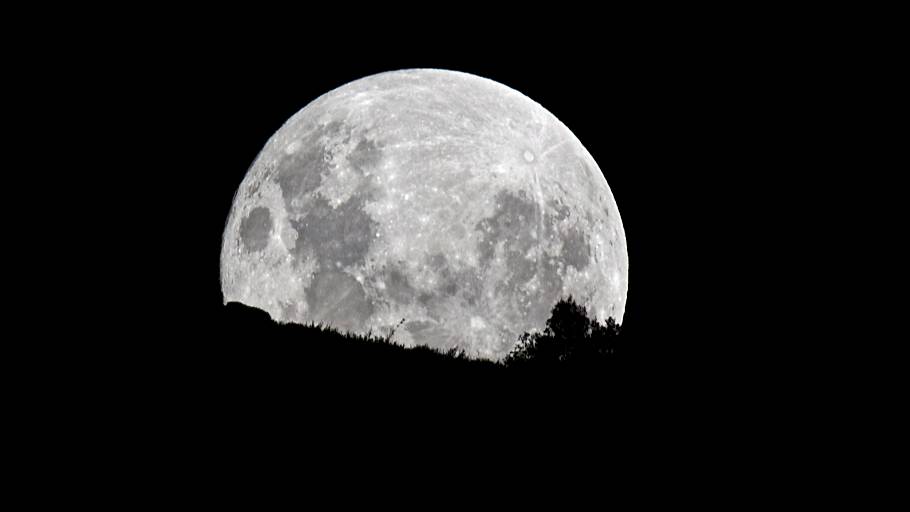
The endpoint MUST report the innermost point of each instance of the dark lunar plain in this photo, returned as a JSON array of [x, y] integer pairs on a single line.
[[674, 118]]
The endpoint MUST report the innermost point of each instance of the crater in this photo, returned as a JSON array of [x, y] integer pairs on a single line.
[[561, 210], [292, 147], [255, 229]]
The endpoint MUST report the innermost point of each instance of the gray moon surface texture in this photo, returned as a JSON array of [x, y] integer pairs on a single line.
[[438, 197]]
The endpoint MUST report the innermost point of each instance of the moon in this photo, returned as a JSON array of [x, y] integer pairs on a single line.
[[444, 199]]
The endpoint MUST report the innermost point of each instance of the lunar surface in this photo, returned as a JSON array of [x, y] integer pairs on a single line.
[[438, 197]]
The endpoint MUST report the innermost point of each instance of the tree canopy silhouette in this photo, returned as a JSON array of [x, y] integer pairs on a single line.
[[570, 338]]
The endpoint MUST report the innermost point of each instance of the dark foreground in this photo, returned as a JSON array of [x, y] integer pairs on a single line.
[[242, 354], [238, 369]]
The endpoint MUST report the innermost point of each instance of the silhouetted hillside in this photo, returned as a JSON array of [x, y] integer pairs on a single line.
[[309, 343], [570, 340]]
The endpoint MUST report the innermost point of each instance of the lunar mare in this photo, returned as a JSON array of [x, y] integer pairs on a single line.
[[438, 197]]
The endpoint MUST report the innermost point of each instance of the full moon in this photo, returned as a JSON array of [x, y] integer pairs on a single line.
[[439, 198]]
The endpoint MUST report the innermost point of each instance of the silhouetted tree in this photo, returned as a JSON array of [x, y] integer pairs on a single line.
[[571, 337]]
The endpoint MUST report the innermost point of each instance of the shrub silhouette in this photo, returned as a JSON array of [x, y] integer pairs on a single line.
[[570, 338]]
